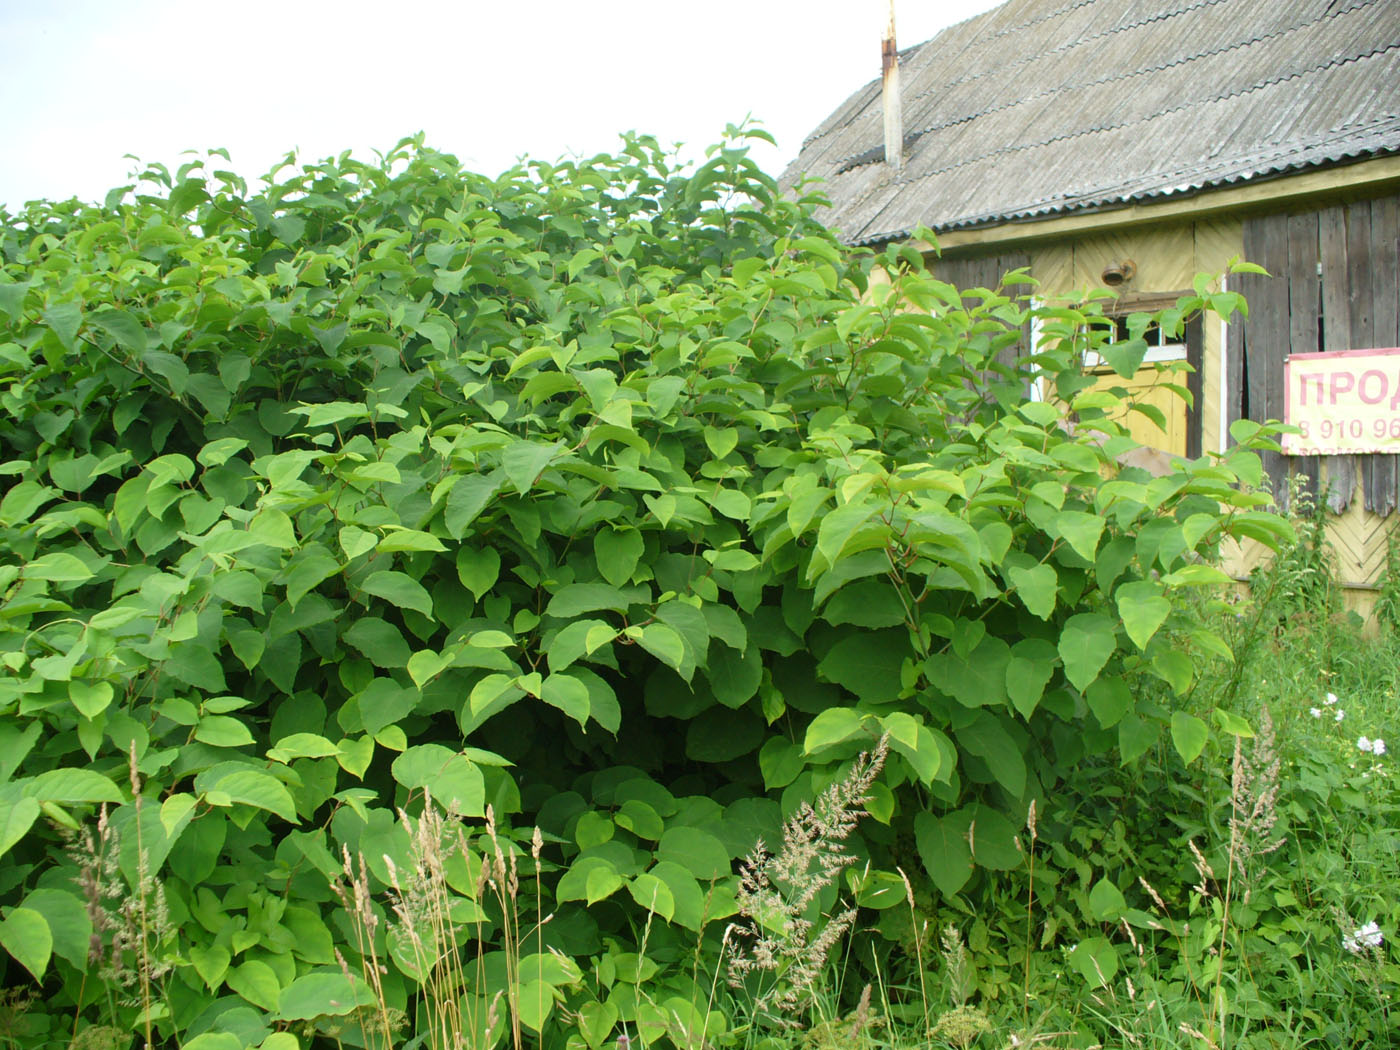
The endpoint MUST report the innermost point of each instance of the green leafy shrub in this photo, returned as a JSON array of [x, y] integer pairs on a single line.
[[616, 505]]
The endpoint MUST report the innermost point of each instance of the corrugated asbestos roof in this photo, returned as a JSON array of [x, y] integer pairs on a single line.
[[1041, 107]]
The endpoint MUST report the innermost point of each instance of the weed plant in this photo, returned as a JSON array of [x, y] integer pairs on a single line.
[[1244, 901]]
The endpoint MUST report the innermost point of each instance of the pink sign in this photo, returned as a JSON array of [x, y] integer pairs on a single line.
[[1342, 402]]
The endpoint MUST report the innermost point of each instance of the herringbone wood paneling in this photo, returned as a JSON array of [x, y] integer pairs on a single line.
[[1240, 559], [1164, 257], [1053, 267], [1358, 538]]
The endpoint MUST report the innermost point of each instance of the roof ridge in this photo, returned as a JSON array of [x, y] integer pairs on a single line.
[[874, 155]]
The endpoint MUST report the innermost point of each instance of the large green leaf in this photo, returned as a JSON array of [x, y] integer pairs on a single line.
[[780, 761], [922, 747], [1036, 586], [1028, 672], [1189, 735], [664, 643], [617, 552], [978, 679], [719, 734], [322, 995], [575, 641], [470, 495], [253, 787], [453, 780], [839, 525], [833, 726], [73, 786], [1087, 640], [1096, 960], [16, 818], [379, 640], [689, 622], [69, 925], [868, 663], [256, 982], [1081, 531], [307, 571], [1109, 699], [578, 598], [687, 895], [1144, 608], [988, 739], [383, 702], [24, 933], [567, 693], [524, 461], [589, 879], [944, 850], [993, 838], [734, 676], [696, 850], [398, 589], [653, 894]]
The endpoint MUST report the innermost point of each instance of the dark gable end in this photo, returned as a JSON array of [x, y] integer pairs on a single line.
[[1046, 107]]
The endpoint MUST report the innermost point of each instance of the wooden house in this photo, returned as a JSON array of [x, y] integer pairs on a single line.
[[1136, 143]]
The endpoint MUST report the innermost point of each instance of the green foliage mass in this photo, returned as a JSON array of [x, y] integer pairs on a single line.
[[606, 498]]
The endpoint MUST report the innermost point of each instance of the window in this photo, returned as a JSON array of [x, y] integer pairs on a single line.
[[1161, 347]]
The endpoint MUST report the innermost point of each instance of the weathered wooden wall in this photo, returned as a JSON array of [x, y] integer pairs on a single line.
[[987, 271], [1334, 285]]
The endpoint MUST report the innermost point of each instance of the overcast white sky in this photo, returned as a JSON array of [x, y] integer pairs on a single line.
[[86, 81]]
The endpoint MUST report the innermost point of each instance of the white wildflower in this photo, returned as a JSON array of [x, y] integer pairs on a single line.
[[1338, 715], [1331, 699], [1378, 746], [1368, 936], [1316, 712], [1363, 744]]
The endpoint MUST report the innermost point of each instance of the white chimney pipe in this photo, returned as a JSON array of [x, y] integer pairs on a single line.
[[894, 116]]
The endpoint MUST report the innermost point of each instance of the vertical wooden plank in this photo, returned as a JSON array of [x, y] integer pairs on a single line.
[[986, 273], [1266, 335], [1385, 274], [1336, 334], [946, 269], [1359, 263], [1276, 348], [1385, 327], [1004, 265], [1303, 307], [1234, 361]]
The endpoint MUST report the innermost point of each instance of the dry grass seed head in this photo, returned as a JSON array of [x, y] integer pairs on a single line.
[[775, 891], [1205, 874], [1254, 786]]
